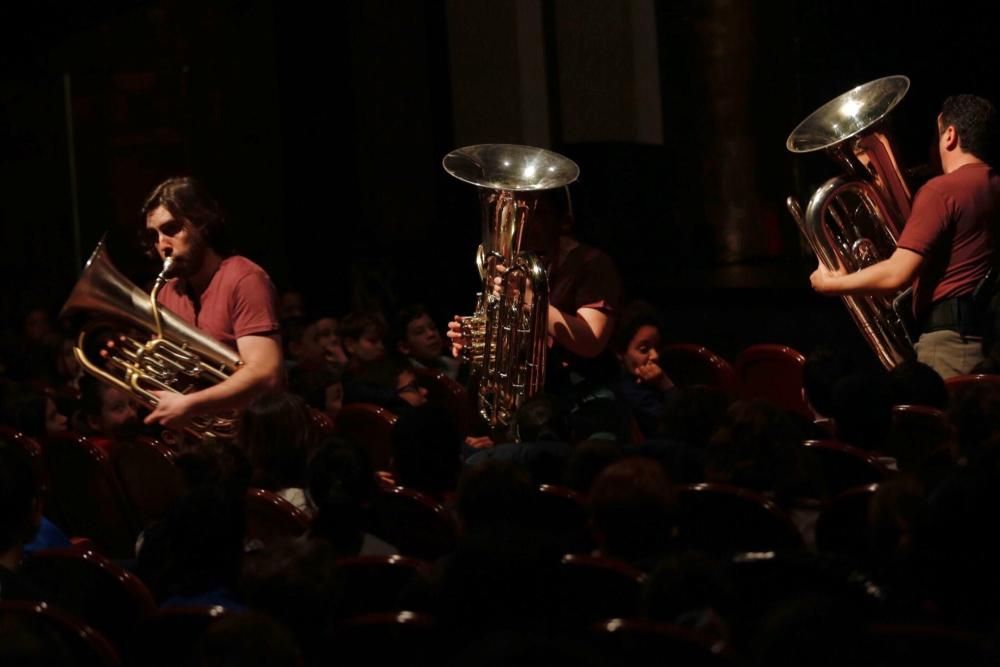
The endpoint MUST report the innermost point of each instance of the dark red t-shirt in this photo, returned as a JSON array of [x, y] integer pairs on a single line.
[[950, 225], [587, 278], [240, 300]]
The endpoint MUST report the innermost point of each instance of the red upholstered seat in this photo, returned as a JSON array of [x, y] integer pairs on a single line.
[[773, 373], [270, 517], [371, 427], [690, 364]]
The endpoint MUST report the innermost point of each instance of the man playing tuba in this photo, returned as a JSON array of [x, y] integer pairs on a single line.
[[585, 294], [945, 249], [225, 295]]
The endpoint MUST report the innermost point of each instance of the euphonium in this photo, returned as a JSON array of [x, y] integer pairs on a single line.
[[167, 355], [507, 333], [853, 221]]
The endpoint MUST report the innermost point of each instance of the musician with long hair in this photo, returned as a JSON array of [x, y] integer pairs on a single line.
[[945, 249], [223, 294]]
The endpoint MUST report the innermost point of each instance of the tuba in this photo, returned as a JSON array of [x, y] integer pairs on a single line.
[[853, 220], [507, 334], [167, 355]]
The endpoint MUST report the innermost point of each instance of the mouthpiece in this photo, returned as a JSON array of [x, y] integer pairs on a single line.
[[168, 266]]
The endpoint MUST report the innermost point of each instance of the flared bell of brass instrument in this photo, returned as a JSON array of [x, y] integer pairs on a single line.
[[151, 348], [853, 220], [507, 334], [511, 167], [848, 115]]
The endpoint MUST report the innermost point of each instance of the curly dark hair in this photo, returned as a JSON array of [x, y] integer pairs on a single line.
[[974, 119]]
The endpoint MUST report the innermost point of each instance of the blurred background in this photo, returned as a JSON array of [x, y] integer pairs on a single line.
[[321, 128]]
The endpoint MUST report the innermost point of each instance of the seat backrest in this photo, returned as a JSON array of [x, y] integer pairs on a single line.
[[371, 584], [33, 449], [725, 519], [690, 364], [85, 496], [632, 641], [271, 518], [774, 373], [170, 637], [388, 638], [920, 437], [957, 384], [60, 636], [370, 426], [148, 477], [842, 525], [93, 588], [414, 522], [451, 395], [321, 422], [562, 514], [837, 466], [595, 588]]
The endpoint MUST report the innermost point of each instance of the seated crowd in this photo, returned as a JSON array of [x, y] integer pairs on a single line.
[[717, 525]]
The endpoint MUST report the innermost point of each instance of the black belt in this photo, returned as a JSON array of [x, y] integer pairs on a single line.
[[958, 313]]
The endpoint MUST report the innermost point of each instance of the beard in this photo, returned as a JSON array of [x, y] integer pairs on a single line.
[[188, 264]]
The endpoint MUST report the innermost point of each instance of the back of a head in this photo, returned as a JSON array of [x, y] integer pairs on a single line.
[[426, 449], [276, 433], [631, 505], [824, 367], [542, 417], [587, 460], [199, 546], [975, 121], [22, 409], [494, 495], [598, 418], [341, 482], [247, 639], [311, 384], [916, 383], [863, 409], [975, 414], [295, 581], [692, 414], [758, 447], [340, 466]]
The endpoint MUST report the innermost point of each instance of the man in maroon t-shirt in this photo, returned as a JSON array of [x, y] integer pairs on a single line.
[[585, 294], [945, 249], [227, 296]]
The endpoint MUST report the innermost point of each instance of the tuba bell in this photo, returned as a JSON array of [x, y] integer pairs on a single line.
[[853, 220], [508, 332], [131, 342]]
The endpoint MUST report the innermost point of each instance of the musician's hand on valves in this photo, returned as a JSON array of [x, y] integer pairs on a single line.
[[172, 410], [824, 280], [454, 333]]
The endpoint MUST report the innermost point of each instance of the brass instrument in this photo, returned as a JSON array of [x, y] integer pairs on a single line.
[[175, 357], [853, 221], [507, 334]]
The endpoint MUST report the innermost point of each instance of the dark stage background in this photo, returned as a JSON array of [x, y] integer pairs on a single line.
[[321, 127]]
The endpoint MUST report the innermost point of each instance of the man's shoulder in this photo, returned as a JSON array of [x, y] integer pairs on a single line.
[[239, 266], [966, 176]]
